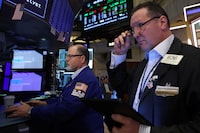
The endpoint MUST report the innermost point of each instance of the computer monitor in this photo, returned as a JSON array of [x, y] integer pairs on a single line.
[[1, 3], [91, 57], [27, 82], [28, 59], [63, 77], [105, 18], [7, 76], [62, 58], [100, 13], [1, 77]]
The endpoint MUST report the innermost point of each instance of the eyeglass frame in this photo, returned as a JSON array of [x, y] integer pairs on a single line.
[[72, 55], [140, 25]]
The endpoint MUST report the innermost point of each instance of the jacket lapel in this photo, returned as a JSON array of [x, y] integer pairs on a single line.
[[136, 78], [162, 68]]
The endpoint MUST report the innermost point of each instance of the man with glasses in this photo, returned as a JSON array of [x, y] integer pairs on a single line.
[[67, 113], [165, 87]]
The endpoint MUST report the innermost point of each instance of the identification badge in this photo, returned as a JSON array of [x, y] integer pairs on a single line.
[[172, 59]]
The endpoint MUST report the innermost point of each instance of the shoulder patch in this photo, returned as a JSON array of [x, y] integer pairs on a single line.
[[79, 90], [81, 86]]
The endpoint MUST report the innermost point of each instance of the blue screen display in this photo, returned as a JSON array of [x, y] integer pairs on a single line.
[[1, 1], [26, 81], [28, 59]]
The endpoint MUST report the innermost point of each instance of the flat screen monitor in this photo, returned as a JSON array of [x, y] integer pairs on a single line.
[[62, 58], [1, 77], [7, 75], [91, 57], [105, 18], [99, 13], [28, 59], [63, 77], [1, 2], [27, 82]]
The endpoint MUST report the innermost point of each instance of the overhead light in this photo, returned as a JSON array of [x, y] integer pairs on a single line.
[[79, 41], [178, 27], [73, 37]]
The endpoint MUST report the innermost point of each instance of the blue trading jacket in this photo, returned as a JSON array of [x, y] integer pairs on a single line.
[[68, 113]]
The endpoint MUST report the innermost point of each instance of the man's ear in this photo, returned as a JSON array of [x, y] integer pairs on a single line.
[[163, 22], [83, 58]]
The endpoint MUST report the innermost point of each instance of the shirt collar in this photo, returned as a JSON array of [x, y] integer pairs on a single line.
[[77, 72], [161, 49]]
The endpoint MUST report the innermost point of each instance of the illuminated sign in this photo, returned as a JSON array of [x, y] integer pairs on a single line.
[[36, 7], [101, 12], [191, 12]]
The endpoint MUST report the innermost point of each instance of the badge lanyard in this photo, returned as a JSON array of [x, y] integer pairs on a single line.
[[144, 80]]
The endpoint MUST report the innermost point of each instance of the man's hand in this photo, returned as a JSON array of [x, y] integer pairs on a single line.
[[21, 110], [122, 43], [128, 124]]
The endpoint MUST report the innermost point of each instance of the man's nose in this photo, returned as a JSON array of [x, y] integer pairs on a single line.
[[136, 32]]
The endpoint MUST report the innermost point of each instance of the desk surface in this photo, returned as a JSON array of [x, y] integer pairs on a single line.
[[9, 121]]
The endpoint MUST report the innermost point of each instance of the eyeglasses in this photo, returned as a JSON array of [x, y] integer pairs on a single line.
[[140, 25], [71, 55]]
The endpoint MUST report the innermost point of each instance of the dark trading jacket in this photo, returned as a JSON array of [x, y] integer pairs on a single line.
[[67, 113], [169, 114]]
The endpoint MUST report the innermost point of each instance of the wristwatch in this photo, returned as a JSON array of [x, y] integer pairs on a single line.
[[29, 112]]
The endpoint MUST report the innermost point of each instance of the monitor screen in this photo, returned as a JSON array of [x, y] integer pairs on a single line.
[[91, 56], [62, 58], [99, 13], [7, 75], [63, 77], [1, 2], [1, 77], [28, 59], [26, 82]]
